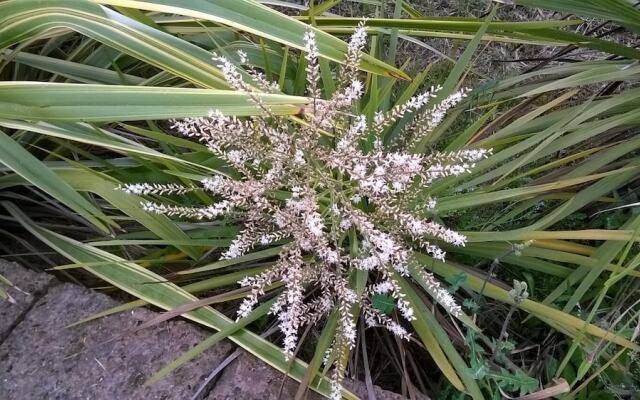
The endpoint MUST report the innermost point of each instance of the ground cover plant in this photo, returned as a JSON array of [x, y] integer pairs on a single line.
[[334, 182]]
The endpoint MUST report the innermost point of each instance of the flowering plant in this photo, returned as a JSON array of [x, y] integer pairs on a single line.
[[340, 199]]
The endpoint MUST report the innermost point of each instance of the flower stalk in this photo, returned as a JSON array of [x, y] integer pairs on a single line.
[[346, 208]]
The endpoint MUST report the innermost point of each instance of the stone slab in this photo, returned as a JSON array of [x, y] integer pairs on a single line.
[[42, 359], [32, 285]]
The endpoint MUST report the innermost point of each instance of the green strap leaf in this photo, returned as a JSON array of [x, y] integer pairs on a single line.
[[79, 102], [34, 171], [23, 19], [256, 18]]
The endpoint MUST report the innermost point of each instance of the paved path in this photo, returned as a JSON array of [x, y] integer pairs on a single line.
[[42, 359]]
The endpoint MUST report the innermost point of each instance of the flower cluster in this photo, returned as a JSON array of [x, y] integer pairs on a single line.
[[349, 210]]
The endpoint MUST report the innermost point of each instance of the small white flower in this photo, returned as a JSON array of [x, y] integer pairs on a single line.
[[295, 192], [242, 56], [345, 224], [299, 157], [235, 156]]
